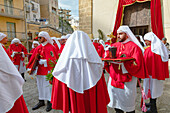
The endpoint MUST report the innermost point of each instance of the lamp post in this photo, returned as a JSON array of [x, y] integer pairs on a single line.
[[61, 14]]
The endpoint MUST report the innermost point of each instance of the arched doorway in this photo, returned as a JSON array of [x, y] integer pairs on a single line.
[[138, 18]]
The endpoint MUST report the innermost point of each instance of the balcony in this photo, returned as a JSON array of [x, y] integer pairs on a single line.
[[11, 35], [11, 12], [35, 10]]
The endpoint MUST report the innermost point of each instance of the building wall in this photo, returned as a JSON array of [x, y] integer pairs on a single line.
[[36, 5], [54, 18], [104, 14], [104, 18], [19, 23], [166, 18], [18, 4], [85, 16]]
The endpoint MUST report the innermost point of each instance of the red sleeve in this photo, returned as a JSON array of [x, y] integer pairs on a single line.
[[24, 49], [136, 68]]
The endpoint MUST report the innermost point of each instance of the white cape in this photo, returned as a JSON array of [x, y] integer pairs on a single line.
[[79, 65], [11, 82]]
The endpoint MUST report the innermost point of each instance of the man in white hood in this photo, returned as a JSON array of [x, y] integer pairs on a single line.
[[47, 53], [156, 60], [123, 76], [79, 85]]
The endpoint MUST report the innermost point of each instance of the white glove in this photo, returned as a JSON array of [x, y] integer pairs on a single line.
[[43, 61], [23, 54], [13, 54], [107, 48]]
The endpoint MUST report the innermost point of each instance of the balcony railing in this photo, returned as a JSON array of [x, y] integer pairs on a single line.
[[8, 11], [11, 35]]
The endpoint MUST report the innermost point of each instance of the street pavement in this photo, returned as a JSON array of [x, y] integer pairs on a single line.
[[31, 97]]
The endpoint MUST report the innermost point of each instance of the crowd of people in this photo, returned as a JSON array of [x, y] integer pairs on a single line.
[[78, 83]]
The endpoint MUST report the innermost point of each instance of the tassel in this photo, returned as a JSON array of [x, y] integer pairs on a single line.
[[149, 93], [144, 108], [119, 67]]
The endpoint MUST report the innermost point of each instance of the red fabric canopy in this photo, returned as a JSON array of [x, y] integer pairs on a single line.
[[156, 16]]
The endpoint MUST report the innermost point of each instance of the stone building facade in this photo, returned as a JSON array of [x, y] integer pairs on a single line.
[[85, 16], [99, 14]]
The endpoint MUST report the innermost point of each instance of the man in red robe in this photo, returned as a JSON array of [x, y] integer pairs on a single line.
[[56, 43], [47, 53], [17, 52], [11, 82], [123, 75], [108, 41], [79, 85], [34, 45], [62, 42], [96, 44], [156, 59]]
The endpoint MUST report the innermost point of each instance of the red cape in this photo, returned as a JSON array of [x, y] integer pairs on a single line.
[[101, 50], [156, 68], [61, 48], [47, 52], [7, 52], [96, 45], [130, 49], [19, 106], [108, 43], [94, 100], [32, 51], [56, 46]]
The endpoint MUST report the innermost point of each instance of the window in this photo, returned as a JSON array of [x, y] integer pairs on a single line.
[[53, 10], [11, 30], [8, 6], [33, 7]]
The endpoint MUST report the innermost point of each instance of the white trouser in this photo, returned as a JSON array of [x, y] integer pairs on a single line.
[[44, 88], [156, 87], [123, 99]]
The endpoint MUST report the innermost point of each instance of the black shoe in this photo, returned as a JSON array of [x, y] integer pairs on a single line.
[[147, 104], [131, 112], [40, 104], [49, 106], [119, 110], [152, 108]]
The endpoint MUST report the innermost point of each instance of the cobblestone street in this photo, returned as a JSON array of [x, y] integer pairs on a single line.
[[31, 97]]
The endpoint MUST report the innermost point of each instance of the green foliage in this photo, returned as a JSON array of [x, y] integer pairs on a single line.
[[100, 34], [49, 76]]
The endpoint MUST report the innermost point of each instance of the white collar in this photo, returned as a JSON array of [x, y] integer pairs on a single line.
[[44, 43], [127, 40]]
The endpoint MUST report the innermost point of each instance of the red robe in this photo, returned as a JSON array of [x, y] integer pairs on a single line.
[[130, 49], [61, 48], [17, 57], [101, 51], [47, 52], [108, 43], [93, 100], [56, 46], [96, 45], [6, 51], [155, 67], [32, 51], [19, 106]]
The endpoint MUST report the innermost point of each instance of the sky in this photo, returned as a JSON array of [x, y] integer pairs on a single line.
[[73, 5]]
